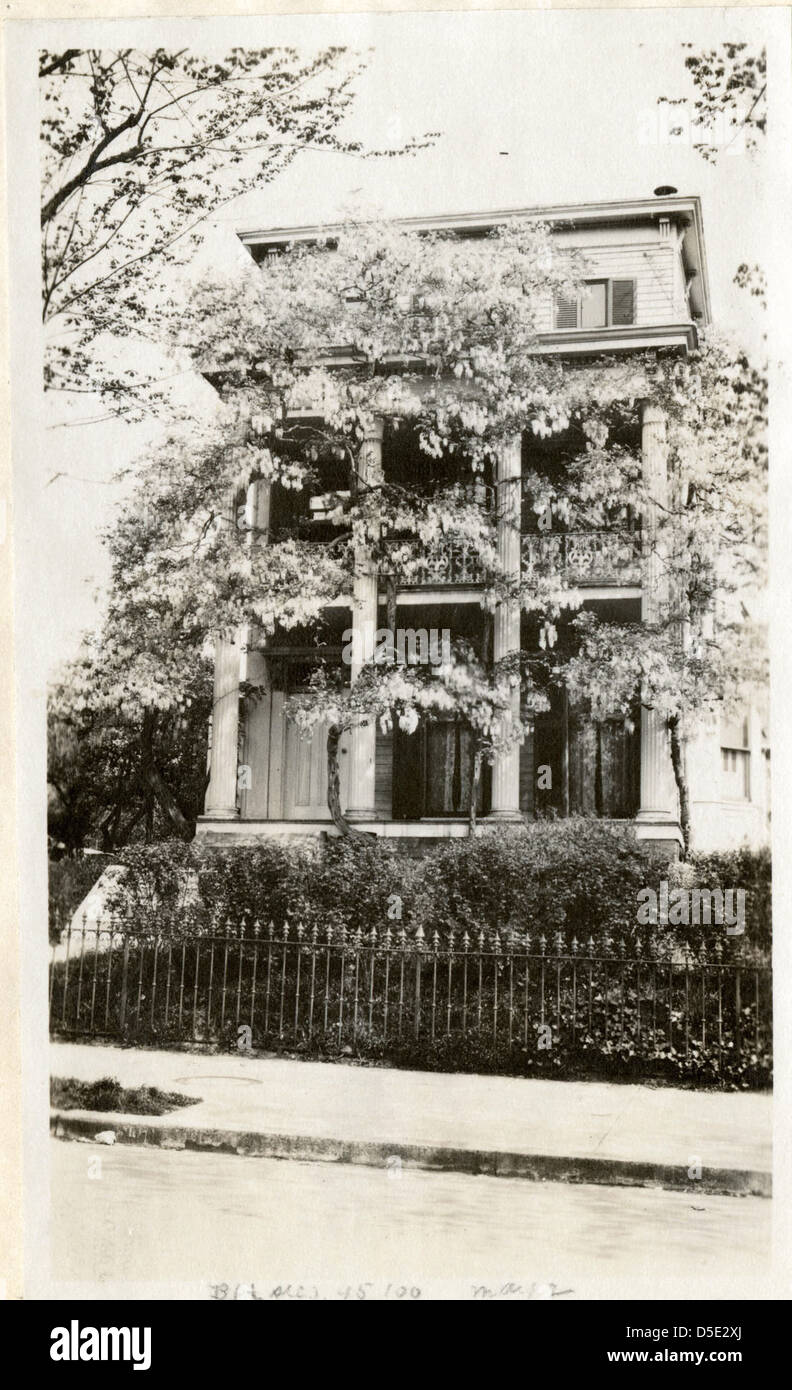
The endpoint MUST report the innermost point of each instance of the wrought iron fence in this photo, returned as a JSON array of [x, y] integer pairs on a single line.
[[509, 992]]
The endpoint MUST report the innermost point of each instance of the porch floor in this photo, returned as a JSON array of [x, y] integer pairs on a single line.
[[439, 828], [664, 834]]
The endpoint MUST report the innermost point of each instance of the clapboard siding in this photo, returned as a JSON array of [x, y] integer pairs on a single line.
[[656, 269]]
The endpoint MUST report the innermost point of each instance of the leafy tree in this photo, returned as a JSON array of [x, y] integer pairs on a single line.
[[440, 336], [118, 773], [138, 150], [730, 100], [701, 653], [730, 105]]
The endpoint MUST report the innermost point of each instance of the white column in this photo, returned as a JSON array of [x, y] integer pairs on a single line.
[[363, 737], [506, 766], [221, 794], [222, 790], [657, 817], [255, 798]]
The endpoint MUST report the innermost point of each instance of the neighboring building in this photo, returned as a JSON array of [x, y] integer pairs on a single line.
[[648, 290]]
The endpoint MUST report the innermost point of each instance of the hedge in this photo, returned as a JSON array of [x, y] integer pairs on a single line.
[[579, 875]]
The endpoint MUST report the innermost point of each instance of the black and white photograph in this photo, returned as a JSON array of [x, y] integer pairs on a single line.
[[396, 404]]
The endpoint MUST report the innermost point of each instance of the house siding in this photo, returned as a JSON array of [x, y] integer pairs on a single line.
[[654, 264]]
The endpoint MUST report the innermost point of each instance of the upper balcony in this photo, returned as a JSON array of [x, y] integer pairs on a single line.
[[588, 559], [448, 562]]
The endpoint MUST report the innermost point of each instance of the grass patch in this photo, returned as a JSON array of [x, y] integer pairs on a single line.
[[66, 1093]]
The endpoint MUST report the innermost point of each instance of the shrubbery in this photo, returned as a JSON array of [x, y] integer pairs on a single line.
[[749, 869], [180, 889], [580, 876]]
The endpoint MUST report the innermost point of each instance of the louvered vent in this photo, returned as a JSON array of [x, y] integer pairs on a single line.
[[566, 312]]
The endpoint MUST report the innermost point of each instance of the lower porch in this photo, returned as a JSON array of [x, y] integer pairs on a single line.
[[268, 780]]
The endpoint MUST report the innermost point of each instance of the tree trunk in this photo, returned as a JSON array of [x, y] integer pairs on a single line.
[[168, 802], [334, 780], [148, 834], [152, 777], [475, 778], [390, 593], [334, 734], [122, 833], [107, 827], [680, 777]]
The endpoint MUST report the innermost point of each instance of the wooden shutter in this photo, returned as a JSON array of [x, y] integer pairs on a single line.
[[383, 774], [623, 302], [566, 312]]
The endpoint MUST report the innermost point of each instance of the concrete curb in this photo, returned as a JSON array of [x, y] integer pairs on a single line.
[[614, 1172]]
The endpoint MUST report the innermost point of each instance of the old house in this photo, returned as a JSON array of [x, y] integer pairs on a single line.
[[647, 291]]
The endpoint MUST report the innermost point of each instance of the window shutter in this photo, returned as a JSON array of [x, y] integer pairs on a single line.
[[566, 312], [623, 301]]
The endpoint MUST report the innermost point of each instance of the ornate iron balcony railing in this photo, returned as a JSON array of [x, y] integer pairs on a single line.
[[446, 562], [586, 557]]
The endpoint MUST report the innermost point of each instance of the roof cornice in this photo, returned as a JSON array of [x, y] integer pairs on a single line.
[[581, 213]]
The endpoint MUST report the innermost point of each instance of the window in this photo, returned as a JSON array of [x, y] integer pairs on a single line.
[[735, 760], [606, 304]]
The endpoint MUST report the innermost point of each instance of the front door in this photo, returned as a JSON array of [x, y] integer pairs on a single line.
[[305, 773], [298, 765], [448, 759]]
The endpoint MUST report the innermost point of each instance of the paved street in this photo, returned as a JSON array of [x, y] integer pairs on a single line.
[[187, 1221]]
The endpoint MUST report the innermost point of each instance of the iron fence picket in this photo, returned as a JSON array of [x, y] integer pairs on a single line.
[[339, 986]]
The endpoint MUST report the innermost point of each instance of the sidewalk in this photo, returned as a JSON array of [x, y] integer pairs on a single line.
[[576, 1131]]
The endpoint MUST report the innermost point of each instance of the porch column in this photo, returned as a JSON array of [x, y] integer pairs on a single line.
[[657, 817], [363, 737], [221, 793], [506, 766], [254, 794], [222, 790]]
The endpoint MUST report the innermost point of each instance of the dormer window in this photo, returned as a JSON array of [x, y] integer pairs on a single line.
[[604, 304]]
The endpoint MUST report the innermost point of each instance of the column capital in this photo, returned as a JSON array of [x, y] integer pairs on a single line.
[[652, 414], [510, 458], [374, 431]]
